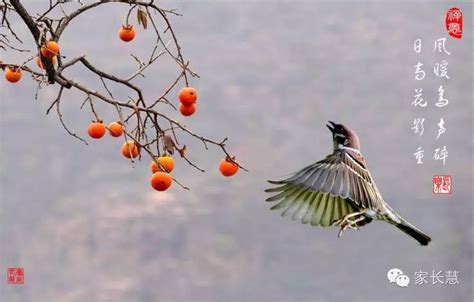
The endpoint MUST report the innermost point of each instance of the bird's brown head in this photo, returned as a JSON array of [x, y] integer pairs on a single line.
[[343, 136]]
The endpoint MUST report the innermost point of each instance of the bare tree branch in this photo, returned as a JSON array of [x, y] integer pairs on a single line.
[[142, 119]]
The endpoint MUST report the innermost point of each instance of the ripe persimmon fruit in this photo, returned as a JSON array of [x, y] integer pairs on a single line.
[[50, 50], [115, 129], [127, 33], [227, 167], [40, 64], [161, 181], [187, 110], [12, 74], [187, 96], [130, 149], [96, 130], [166, 162]]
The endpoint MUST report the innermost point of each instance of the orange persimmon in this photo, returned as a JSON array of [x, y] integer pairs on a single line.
[[187, 110], [40, 64], [127, 33], [161, 181], [187, 96], [166, 162], [96, 130], [12, 74], [50, 50], [228, 168], [115, 129], [130, 149]]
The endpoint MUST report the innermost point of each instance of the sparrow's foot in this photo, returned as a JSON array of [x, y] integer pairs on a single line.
[[349, 222], [344, 227], [345, 219]]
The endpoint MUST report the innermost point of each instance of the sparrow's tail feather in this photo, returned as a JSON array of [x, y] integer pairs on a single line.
[[394, 218], [412, 231]]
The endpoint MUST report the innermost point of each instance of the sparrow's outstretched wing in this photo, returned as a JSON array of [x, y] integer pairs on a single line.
[[326, 191]]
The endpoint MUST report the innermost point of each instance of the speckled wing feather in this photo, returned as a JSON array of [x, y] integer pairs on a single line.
[[326, 191]]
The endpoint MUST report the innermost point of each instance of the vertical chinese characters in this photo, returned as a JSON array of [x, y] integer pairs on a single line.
[[440, 71]]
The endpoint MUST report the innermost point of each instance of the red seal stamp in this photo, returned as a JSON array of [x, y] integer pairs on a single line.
[[442, 184], [15, 275], [454, 22]]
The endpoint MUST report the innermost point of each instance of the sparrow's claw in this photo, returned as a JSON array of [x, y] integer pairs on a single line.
[[347, 218], [346, 222], [341, 231], [347, 226]]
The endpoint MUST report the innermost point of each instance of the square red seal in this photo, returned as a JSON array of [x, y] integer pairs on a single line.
[[442, 184], [15, 275]]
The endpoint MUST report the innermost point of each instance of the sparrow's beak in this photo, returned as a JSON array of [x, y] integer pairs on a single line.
[[331, 126]]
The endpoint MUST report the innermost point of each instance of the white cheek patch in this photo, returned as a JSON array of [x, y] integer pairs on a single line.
[[339, 135], [342, 147]]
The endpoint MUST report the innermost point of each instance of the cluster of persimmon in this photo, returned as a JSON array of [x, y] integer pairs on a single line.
[[48, 51], [97, 130], [161, 166], [187, 98]]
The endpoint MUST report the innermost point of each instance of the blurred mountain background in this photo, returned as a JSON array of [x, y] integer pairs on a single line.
[[86, 225]]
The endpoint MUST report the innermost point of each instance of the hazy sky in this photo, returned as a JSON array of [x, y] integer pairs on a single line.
[[86, 225]]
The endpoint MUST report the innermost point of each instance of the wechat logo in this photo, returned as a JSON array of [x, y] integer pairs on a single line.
[[396, 276]]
